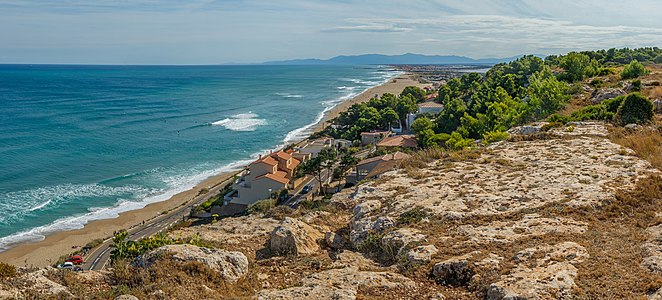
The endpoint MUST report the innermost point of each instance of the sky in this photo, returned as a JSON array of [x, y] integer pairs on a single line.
[[250, 31]]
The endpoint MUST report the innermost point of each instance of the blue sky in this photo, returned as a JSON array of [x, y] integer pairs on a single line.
[[247, 31]]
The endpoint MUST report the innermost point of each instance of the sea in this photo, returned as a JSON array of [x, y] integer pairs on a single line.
[[82, 143]]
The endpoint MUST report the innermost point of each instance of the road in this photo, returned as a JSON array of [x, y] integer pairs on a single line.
[[99, 257]]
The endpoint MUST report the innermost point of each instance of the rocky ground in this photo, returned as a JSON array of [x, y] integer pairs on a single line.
[[563, 214]]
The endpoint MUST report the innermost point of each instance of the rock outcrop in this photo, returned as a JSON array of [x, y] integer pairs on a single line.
[[549, 277], [231, 265], [603, 94], [294, 237]]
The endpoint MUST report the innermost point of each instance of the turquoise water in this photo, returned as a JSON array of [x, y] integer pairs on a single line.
[[80, 143]]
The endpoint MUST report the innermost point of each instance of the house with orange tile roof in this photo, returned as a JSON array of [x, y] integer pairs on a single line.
[[373, 137], [399, 142], [266, 175], [375, 166]]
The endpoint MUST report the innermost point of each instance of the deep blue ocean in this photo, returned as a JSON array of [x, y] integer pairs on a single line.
[[79, 143]]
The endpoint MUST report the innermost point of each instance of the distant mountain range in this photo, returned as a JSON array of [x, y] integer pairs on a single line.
[[403, 59]]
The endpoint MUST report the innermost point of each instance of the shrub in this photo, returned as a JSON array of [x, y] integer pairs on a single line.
[[635, 109], [606, 71], [636, 85], [613, 104], [7, 270], [495, 136], [575, 89], [457, 142], [262, 206], [556, 118], [412, 216], [596, 82], [633, 70], [592, 112]]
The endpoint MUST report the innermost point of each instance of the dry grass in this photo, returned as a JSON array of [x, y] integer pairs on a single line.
[[653, 93], [647, 142]]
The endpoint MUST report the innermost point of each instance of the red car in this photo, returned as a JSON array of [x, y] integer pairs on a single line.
[[76, 260]]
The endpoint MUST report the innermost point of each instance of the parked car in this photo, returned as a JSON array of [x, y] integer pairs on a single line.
[[76, 260], [306, 189], [66, 265]]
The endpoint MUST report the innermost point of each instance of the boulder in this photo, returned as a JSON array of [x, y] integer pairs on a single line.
[[421, 255], [231, 265], [456, 271], [335, 284], [126, 297], [551, 276], [603, 94], [335, 241], [632, 126], [293, 237], [524, 130], [39, 282], [395, 241], [657, 106]]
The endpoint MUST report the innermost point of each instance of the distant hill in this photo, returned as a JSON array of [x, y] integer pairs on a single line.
[[403, 59]]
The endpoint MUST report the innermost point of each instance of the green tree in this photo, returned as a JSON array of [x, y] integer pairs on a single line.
[[633, 70], [635, 109], [577, 66], [546, 95], [388, 117], [421, 124], [414, 92], [405, 105]]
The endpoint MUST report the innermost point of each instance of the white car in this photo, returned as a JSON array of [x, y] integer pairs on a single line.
[[66, 265]]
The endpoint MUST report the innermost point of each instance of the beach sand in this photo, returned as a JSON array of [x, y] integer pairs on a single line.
[[49, 250]]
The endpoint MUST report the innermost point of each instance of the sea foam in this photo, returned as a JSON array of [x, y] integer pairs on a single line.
[[241, 122]]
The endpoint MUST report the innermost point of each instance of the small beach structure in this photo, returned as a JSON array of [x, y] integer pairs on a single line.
[[405, 141], [376, 166], [263, 177], [373, 137]]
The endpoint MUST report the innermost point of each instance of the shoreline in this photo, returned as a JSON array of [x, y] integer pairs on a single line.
[[47, 251]]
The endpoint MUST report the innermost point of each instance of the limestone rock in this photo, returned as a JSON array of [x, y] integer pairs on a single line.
[[657, 106], [335, 241], [338, 284], [632, 126], [293, 237], [603, 94], [231, 265], [550, 277], [39, 282], [653, 247], [395, 241], [524, 130], [529, 225], [126, 297], [656, 295], [421, 255], [456, 271]]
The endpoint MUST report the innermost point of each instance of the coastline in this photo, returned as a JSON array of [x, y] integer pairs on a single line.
[[53, 246]]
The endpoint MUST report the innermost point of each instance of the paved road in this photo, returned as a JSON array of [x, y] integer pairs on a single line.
[[99, 257]]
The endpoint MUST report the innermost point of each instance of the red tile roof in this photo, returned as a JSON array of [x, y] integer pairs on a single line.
[[431, 105], [405, 141], [276, 177]]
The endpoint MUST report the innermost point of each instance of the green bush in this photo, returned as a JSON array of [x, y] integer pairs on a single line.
[[606, 71], [558, 118], [457, 142], [576, 88], [635, 109], [636, 85], [412, 216], [633, 70], [592, 112], [495, 136], [613, 104], [262, 206], [596, 82], [7, 270]]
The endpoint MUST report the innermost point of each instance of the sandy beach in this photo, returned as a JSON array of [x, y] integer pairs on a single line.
[[47, 251]]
